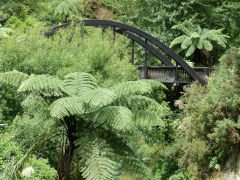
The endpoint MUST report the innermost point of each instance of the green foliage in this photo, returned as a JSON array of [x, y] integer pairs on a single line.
[[199, 38], [42, 169], [34, 53], [10, 153], [210, 127], [13, 78], [158, 17], [67, 9], [95, 106], [4, 32]]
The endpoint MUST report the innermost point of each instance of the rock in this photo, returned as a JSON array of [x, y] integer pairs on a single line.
[[27, 172]]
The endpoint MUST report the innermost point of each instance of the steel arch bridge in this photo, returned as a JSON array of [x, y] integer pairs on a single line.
[[181, 73]]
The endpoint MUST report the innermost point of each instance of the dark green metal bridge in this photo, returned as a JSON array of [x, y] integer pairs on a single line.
[[178, 74]]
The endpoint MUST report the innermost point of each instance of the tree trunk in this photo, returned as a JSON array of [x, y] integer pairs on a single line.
[[65, 160], [64, 163]]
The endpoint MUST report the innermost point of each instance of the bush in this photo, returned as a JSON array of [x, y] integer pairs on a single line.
[[210, 124]]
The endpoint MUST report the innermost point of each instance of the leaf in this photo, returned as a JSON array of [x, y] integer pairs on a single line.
[[207, 45], [45, 84], [136, 87], [178, 40], [147, 119], [68, 106], [13, 78], [79, 83], [97, 160], [138, 103], [66, 9], [95, 99], [187, 42], [191, 50], [195, 35], [117, 117], [200, 43]]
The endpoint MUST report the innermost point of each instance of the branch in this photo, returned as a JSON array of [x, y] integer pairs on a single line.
[[19, 163]]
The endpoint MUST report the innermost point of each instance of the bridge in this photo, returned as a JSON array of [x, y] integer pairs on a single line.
[[178, 74]]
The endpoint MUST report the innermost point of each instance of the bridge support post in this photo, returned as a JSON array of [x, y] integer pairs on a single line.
[[176, 83], [145, 62], [132, 52], [114, 33], [103, 33]]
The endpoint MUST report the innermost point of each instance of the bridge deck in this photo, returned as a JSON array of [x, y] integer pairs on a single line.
[[171, 75]]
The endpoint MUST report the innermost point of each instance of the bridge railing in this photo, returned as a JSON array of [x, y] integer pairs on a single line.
[[172, 75]]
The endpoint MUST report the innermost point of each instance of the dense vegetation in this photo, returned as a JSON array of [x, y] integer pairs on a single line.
[[73, 107]]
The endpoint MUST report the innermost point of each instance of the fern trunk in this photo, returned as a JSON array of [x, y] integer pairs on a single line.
[[65, 160]]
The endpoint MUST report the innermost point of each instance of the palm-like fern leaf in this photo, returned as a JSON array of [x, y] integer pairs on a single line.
[[134, 165], [155, 84], [147, 119], [47, 85], [32, 99], [95, 99], [14, 78], [68, 106], [138, 102], [117, 117], [135, 87], [97, 161], [89, 102], [79, 83]]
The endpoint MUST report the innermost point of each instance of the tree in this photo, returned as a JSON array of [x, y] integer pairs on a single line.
[[196, 38], [67, 9], [102, 125], [209, 131]]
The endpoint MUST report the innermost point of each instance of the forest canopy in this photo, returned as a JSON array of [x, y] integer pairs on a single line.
[[72, 106]]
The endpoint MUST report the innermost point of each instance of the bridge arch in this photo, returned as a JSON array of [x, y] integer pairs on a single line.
[[137, 36]]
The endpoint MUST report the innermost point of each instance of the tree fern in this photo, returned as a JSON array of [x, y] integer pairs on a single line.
[[31, 99], [135, 87], [134, 165], [13, 78], [117, 117], [147, 119], [67, 8], [197, 37], [138, 103], [98, 162], [47, 85], [68, 106], [100, 122], [79, 83], [95, 99]]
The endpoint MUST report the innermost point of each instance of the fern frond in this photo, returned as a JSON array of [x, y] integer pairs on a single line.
[[187, 42], [207, 45], [68, 106], [32, 99], [47, 85], [89, 102], [178, 40], [138, 103], [79, 83], [135, 87], [117, 117], [137, 167], [191, 50], [155, 84], [97, 161], [147, 119], [95, 99], [13, 78]]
